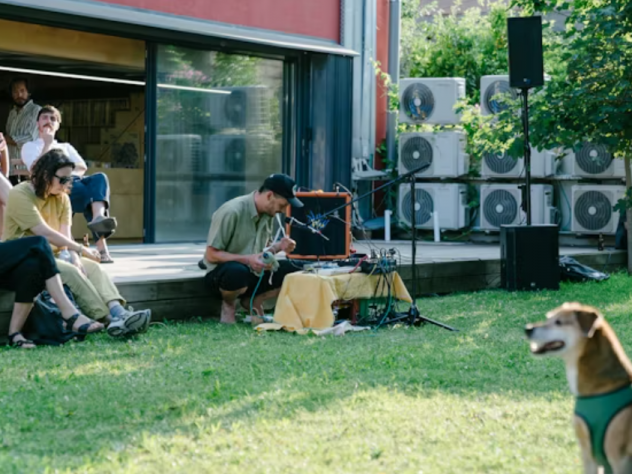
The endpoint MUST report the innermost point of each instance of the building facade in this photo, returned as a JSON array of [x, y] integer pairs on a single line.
[[187, 104]]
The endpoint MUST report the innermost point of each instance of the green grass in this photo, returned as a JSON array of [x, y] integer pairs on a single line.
[[203, 398]]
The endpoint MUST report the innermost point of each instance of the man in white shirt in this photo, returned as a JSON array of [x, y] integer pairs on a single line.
[[90, 194], [21, 127]]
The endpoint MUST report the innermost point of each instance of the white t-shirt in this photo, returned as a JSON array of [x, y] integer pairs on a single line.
[[31, 151]]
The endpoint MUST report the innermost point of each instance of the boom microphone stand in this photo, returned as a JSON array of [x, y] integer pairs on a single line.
[[412, 316]]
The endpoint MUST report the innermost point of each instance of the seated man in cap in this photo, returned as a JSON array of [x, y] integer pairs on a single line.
[[241, 229]]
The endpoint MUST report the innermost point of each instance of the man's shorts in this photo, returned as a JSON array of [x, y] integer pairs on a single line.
[[232, 276]]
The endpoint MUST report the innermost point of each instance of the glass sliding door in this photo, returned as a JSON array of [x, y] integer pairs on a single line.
[[219, 134]]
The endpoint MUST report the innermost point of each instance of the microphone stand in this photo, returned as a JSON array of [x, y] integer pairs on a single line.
[[412, 317]]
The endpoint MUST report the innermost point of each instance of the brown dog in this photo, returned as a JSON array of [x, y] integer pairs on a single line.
[[599, 375]]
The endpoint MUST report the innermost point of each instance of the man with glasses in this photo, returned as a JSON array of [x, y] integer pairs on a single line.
[[90, 194]]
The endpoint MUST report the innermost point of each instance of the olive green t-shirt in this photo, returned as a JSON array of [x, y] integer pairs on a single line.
[[25, 211], [237, 228]]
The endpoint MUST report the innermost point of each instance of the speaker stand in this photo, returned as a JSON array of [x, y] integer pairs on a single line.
[[527, 152]]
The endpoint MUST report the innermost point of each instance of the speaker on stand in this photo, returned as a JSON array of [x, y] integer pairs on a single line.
[[529, 254]]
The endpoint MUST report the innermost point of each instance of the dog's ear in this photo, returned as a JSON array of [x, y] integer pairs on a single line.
[[589, 321]]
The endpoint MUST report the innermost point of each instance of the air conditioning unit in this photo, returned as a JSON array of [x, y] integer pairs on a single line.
[[430, 100], [592, 161], [593, 211], [448, 200], [492, 89], [501, 204], [444, 151], [505, 166], [177, 154], [242, 108]]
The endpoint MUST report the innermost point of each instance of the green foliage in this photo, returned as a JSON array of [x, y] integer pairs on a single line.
[[466, 44], [588, 96]]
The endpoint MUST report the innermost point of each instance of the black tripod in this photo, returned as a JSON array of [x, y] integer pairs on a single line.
[[412, 317]]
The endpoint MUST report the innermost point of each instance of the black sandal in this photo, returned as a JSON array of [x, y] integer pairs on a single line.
[[20, 343], [83, 329]]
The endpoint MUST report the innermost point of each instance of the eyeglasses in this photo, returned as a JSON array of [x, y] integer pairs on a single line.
[[64, 179]]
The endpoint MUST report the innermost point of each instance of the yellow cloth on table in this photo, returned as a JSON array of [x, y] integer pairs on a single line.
[[305, 300]]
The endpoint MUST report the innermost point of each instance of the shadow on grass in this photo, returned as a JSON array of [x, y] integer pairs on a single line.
[[63, 405]]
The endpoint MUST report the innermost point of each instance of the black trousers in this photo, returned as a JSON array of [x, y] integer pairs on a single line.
[[232, 276], [25, 265]]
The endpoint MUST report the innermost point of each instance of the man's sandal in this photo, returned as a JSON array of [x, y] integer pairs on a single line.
[[84, 328], [21, 343]]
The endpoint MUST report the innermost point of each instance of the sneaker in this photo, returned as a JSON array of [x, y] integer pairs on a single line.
[[134, 322]]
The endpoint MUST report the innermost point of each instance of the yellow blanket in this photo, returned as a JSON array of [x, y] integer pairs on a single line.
[[305, 300]]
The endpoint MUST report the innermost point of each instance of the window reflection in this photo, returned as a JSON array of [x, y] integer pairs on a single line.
[[219, 134]]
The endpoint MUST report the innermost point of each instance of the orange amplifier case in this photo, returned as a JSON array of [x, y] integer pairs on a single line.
[[337, 227]]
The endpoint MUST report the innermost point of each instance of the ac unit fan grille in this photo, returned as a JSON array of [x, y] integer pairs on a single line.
[[500, 164], [593, 159], [593, 210], [418, 102], [416, 152], [424, 207], [494, 96], [500, 208], [235, 155]]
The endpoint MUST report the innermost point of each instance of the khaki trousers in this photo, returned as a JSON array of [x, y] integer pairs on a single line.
[[94, 292]]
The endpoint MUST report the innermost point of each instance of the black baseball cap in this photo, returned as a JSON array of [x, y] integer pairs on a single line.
[[284, 186]]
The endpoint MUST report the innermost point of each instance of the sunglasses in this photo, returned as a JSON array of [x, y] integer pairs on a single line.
[[63, 180]]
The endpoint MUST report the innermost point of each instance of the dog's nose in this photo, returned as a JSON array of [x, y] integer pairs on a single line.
[[528, 329]]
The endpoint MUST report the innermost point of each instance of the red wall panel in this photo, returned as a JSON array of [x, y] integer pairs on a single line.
[[318, 18]]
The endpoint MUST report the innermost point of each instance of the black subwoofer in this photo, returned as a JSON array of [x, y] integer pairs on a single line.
[[529, 257]]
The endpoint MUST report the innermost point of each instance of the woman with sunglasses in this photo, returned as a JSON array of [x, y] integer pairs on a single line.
[[42, 207]]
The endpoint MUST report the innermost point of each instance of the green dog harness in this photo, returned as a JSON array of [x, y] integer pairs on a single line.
[[597, 412]]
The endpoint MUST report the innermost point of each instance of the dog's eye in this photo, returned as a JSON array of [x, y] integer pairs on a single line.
[[558, 322]]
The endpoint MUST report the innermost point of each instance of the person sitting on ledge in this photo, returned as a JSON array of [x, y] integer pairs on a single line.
[[42, 207], [240, 231], [27, 266], [90, 194]]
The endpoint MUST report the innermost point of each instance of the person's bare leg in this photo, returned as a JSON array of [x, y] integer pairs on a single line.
[[101, 245], [98, 209], [21, 311], [229, 305], [55, 287], [257, 303]]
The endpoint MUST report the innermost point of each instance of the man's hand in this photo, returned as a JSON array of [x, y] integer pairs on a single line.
[[48, 135], [286, 245], [255, 262], [10, 141], [3, 143]]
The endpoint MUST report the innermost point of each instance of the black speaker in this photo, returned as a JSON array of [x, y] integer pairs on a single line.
[[526, 63], [336, 227], [529, 257]]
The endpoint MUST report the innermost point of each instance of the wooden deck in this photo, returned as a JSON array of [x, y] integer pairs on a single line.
[[166, 278]]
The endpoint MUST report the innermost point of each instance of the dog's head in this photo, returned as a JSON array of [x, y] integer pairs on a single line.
[[565, 331]]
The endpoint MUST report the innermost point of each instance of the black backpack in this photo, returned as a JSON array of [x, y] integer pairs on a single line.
[[45, 326]]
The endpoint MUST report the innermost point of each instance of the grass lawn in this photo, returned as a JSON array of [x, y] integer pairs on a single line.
[[203, 398]]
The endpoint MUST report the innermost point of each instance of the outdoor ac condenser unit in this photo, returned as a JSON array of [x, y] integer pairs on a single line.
[[505, 166], [178, 154], [492, 89], [592, 161], [444, 151], [448, 200], [592, 209], [501, 204], [238, 108], [430, 100]]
